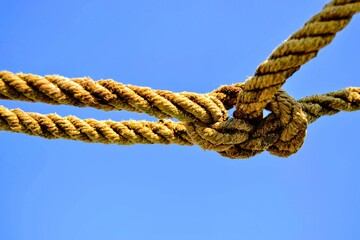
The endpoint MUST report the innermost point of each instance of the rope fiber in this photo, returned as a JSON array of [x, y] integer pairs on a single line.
[[203, 118]]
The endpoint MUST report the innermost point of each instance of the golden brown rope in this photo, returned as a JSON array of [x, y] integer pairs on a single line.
[[110, 95], [234, 138], [286, 59], [204, 118]]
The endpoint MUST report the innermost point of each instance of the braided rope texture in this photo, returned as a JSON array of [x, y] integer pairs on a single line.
[[204, 119]]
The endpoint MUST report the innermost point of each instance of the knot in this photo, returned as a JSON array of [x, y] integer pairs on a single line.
[[282, 132]]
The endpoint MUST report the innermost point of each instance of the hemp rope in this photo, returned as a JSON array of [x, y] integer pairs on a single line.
[[204, 118]]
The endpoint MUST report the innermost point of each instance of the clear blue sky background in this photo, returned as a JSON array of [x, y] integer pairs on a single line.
[[71, 190]]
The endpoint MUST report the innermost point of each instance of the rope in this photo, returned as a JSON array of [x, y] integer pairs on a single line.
[[286, 59], [204, 119]]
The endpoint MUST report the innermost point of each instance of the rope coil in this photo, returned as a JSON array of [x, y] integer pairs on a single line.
[[204, 117]]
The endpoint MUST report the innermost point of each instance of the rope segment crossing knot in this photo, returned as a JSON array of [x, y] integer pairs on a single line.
[[203, 118]]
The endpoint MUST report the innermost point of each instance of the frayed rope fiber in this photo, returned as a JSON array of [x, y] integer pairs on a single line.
[[204, 119]]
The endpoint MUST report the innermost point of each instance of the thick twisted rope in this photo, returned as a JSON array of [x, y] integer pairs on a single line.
[[220, 136], [286, 59], [204, 119], [110, 95]]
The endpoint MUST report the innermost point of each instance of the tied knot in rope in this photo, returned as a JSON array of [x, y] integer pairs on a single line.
[[282, 132]]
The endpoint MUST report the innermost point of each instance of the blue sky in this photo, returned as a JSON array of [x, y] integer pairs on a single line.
[[62, 189]]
